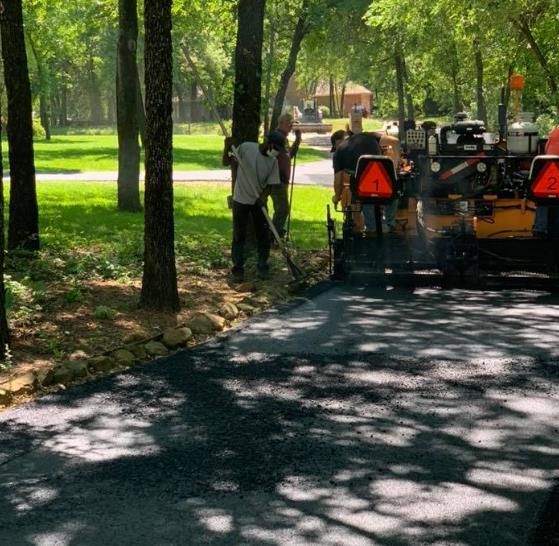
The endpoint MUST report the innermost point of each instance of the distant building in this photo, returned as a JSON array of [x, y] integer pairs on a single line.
[[354, 95]]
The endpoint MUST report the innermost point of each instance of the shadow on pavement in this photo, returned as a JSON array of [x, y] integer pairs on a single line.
[[220, 446]]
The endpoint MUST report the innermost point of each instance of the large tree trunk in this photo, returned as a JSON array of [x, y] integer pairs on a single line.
[[298, 35], [248, 71], [23, 229], [481, 111], [127, 112], [159, 283], [4, 331]]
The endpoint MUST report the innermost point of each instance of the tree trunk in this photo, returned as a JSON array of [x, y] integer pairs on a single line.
[[23, 229], [399, 64], [410, 108], [159, 283], [111, 108], [64, 107], [454, 68], [300, 30], [183, 104], [525, 30], [331, 98], [481, 111], [4, 330], [248, 71], [128, 182], [43, 90], [95, 105], [268, 85], [342, 99], [141, 109]]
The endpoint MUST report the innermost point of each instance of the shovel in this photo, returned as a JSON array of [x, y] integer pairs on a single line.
[[296, 272]]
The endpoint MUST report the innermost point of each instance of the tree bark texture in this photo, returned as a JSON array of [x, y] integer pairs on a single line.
[[300, 30], [248, 71], [23, 228], [480, 100], [4, 330], [128, 183], [159, 283]]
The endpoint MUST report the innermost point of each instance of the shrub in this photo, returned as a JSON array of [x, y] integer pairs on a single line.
[[325, 111], [545, 123], [104, 313], [38, 131]]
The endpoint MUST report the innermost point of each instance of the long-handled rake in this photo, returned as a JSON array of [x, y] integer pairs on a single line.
[[296, 272], [287, 230]]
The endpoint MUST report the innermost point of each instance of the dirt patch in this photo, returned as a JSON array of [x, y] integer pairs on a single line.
[[106, 313]]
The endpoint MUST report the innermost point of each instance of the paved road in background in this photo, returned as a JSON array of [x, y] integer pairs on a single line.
[[359, 417], [317, 173]]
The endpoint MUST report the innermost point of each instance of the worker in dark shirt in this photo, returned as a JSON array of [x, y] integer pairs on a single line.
[[280, 194], [347, 153]]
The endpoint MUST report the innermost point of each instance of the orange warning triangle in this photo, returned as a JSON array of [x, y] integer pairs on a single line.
[[375, 182], [546, 185]]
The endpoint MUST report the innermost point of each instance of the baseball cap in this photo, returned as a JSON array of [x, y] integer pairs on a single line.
[[276, 140], [336, 135]]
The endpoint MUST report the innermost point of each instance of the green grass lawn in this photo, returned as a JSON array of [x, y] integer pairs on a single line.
[[87, 153], [83, 233]]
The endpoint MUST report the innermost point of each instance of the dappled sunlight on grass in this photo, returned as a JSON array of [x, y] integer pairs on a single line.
[[94, 153]]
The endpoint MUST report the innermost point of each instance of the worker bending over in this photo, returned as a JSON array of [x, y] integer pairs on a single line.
[[257, 171]]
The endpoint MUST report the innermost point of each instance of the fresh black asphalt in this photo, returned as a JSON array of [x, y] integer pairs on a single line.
[[360, 416]]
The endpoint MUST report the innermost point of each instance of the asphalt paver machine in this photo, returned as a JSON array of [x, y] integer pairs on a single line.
[[472, 209]]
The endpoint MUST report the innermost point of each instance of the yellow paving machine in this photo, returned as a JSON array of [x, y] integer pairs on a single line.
[[468, 208]]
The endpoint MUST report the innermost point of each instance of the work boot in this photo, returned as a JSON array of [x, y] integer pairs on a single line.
[[237, 276], [263, 271]]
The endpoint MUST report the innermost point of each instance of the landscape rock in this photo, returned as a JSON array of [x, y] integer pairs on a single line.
[[259, 301], [45, 376], [134, 337], [101, 364], [246, 308], [175, 337], [229, 311], [78, 355], [139, 352], [21, 383], [156, 348], [5, 397], [70, 371], [124, 357], [206, 323]]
